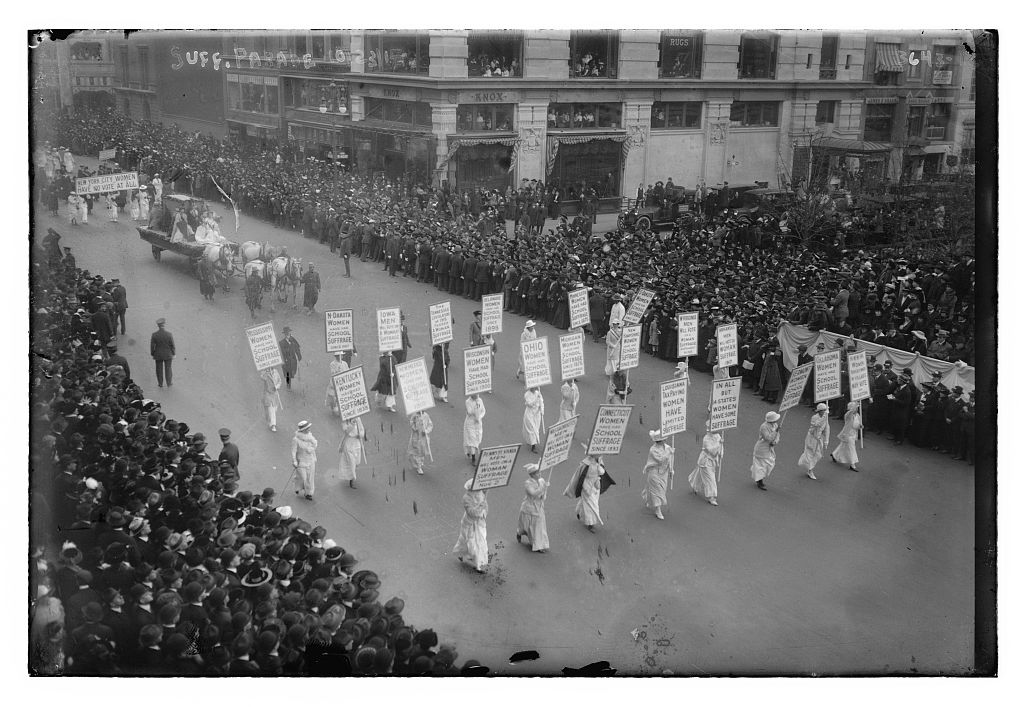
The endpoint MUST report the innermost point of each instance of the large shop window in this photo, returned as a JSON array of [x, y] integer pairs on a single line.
[[878, 122], [829, 52], [594, 54], [681, 54], [86, 51], [253, 94], [393, 53], [474, 117], [676, 114], [585, 115], [754, 114], [405, 112], [311, 94], [495, 55], [759, 52]]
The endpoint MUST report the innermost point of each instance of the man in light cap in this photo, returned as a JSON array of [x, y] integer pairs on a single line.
[[528, 335], [764, 449], [304, 459], [161, 348], [532, 521]]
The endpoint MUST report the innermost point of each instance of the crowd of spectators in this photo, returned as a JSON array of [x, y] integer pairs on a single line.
[[149, 558]]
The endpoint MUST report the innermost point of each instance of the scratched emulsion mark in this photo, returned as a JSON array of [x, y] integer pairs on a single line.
[[654, 641], [521, 656], [600, 669]]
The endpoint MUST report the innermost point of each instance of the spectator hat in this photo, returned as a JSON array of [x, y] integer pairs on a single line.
[[304, 425]]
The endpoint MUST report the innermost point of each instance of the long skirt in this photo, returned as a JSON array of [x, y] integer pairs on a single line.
[[417, 450], [762, 465], [472, 541], [536, 528], [655, 492], [702, 480], [472, 434], [588, 507], [350, 457], [309, 296], [531, 426], [813, 451], [846, 452]]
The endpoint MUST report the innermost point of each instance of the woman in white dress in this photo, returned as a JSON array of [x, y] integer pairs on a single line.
[[337, 366], [418, 448], [473, 528], [570, 399], [532, 521], [133, 205], [143, 206], [473, 427], [846, 452], [657, 472], [73, 200], [271, 378], [764, 449], [351, 448], [533, 417], [111, 207], [585, 486], [704, 477], [816, 440]]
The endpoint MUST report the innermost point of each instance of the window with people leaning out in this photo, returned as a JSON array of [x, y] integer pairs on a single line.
[[594, 55], [754, 114], [251, 94], [390, 53], [682, 114], [86, 51], [495, 55], [473, 117], [681, 54], [406, 112], [759, 52], [585, 115], [310, 94]]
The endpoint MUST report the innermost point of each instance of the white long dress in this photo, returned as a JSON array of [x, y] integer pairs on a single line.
[[332, 398], [704, 477], [764, 451], [351, 448], [532, 521], [527, 335], [143, 206], [815, 442], [473, 426], [588, 505], [846, 452], [570, 399], [419, 439], [614, 351], [533, 416], [657, 471], [473, 529]]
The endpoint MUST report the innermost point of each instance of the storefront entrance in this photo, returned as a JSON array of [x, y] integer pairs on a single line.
[[483, 166], [596, 164]]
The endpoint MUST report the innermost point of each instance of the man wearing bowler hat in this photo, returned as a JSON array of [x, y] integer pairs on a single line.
[[161, 348], [291, 352]]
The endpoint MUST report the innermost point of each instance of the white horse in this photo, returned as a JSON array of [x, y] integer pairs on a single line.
[[285, 273], [221, 256], [251, 250]]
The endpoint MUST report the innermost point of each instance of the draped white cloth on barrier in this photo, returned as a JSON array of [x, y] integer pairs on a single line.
[[791, 336]]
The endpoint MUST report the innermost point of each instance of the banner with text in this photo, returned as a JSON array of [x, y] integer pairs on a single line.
[[103, 183], [609, 429], [638, 306], [795, 386], [673, 406], [857, 368], [495, 467], [559, 443], [350, 387], [108, 154], [490, 313], [476, 363], [725, 404], [827, 376], [389, 329], [579, 308], [441, 323], [687, 334], [570, 354], [728, 345], [630, 342], [414, 383], [338, 330], [263, 344], [536, 362]]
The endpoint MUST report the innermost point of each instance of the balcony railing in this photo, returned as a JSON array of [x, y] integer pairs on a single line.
[[935, 132], [827, 74]]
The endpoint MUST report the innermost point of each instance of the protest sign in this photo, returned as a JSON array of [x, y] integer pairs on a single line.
[[441, 323], [536, 364], [579, 308], [414, 384], [728, 346], [495, 467], [108, 154], [857, 369], [725, 404], [827, 376], [609, 429], [338, 330], [673, 406], [638, 306], [686, 334], [389, 329], [570, 353], [490, 313], [102, 183], [477, 364], [558, 443], [630, 357], [263, 344], [350, 387], [795, 386]]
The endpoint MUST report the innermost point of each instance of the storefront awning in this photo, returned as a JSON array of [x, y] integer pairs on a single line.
[[887, 57], [863, 147], [455, 142]]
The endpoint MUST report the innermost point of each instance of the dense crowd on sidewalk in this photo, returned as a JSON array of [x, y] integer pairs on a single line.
[[149, 557]]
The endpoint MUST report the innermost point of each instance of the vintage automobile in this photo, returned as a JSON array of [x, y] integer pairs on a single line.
[[677, 206]]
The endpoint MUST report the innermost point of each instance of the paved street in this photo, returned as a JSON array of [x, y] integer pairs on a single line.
[[866, 572]]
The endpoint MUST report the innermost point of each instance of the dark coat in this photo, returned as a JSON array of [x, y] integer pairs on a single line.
[[291, 352], [161, 345]]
